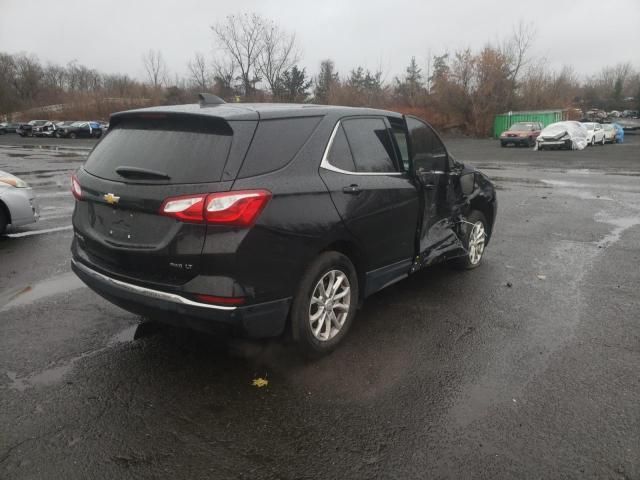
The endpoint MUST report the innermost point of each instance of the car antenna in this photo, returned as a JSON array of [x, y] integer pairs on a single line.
[[207, 99]]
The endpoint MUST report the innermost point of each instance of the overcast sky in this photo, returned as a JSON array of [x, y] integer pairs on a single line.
[[112, 35]]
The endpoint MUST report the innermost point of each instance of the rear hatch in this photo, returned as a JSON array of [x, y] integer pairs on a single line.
[[145, 159]]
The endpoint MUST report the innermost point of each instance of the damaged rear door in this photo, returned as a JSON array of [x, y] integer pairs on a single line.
[[437, 237]]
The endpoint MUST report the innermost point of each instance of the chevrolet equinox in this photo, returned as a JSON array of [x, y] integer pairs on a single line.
[[251, 219]]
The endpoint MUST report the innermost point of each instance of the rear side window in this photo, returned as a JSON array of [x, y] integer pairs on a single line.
[[275, 144], [370, 144], [187, 149], [340, 154]]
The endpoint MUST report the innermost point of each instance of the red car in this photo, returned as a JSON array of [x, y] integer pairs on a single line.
[[521, 133]]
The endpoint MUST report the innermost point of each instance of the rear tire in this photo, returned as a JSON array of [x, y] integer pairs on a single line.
[[325, 304], [72, 136], [474, 239]]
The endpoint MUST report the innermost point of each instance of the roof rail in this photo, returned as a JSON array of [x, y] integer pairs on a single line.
[[207, 99]]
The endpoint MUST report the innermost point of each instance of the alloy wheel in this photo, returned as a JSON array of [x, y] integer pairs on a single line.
[[329, 305], [476, 243]]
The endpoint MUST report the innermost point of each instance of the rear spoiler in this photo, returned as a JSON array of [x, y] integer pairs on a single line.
[[172, 121]]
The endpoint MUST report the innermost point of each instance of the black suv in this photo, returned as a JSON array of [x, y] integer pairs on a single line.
[[257, 218]]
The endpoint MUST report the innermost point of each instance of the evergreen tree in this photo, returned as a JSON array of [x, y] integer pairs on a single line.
[[293, 85], [326, 80]]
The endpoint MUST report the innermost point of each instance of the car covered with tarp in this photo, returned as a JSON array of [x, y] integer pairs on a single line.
[[567, 135]]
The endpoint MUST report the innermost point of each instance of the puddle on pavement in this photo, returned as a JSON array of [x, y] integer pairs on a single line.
[[56, 373], [31, 293]]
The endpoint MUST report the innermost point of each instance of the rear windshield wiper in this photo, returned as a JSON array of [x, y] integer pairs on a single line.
[[141, 173]]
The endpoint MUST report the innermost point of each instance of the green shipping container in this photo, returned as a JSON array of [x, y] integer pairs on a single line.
[[504, 120]]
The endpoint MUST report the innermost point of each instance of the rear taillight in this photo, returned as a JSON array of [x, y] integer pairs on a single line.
[[75, 187], [187, 209], [239, 208]]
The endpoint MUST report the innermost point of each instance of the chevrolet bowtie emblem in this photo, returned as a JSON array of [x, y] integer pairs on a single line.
[[111, 199]]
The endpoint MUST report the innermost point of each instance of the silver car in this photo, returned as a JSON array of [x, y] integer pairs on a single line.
[[18, 203]]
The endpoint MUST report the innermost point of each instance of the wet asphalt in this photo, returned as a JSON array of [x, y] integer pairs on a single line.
[[527, 367]]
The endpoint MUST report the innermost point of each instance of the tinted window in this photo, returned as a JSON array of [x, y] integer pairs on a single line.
[[400, 136], [370, 144], [429, 153], [340, 154], [187, 150], [275, 144]]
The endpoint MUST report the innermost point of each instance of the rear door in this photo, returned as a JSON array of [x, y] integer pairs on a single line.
[[440, 190], [374, 195], [144, 160]]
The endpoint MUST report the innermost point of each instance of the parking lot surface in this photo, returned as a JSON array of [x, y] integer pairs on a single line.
[[526, 367]]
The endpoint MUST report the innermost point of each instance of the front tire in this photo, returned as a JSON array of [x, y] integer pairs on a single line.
[[474, 232], [72, 136], [325, 304]]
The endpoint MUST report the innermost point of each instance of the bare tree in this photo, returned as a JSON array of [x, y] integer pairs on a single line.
[[241, 37], [155, 67], [199, 71], [28, 75], [516, 51], [277, 55], [224, 76], [518, 46]]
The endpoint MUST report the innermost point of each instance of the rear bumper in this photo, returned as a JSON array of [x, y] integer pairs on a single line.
[[261, 320]]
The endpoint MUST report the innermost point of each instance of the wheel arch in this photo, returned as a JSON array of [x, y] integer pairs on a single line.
[[489, 211], [353, 253]]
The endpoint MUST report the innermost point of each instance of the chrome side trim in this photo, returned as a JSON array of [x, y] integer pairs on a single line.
[[327, 166], [170, 297]]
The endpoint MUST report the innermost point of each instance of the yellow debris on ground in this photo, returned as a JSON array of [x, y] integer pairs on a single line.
[[260, 382]]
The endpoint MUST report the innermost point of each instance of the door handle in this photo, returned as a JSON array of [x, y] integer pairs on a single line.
[[351, 189]]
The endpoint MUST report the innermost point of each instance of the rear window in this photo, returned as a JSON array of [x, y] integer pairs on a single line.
[[187, 149]]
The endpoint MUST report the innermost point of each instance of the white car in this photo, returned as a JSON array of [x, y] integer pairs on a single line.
[[595, 133], [567, 135], [18, 203]]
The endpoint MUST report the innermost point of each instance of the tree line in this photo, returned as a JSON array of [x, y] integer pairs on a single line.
[[255, 59]]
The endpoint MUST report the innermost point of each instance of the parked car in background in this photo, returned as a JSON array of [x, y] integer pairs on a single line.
[[18, 204], [619, 133], [27, 129], [62, 125], [252, 219], [81, 130], [46, 130], [567, 135], [521, 133], [8, 127], [595, 133], [609, 133]]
